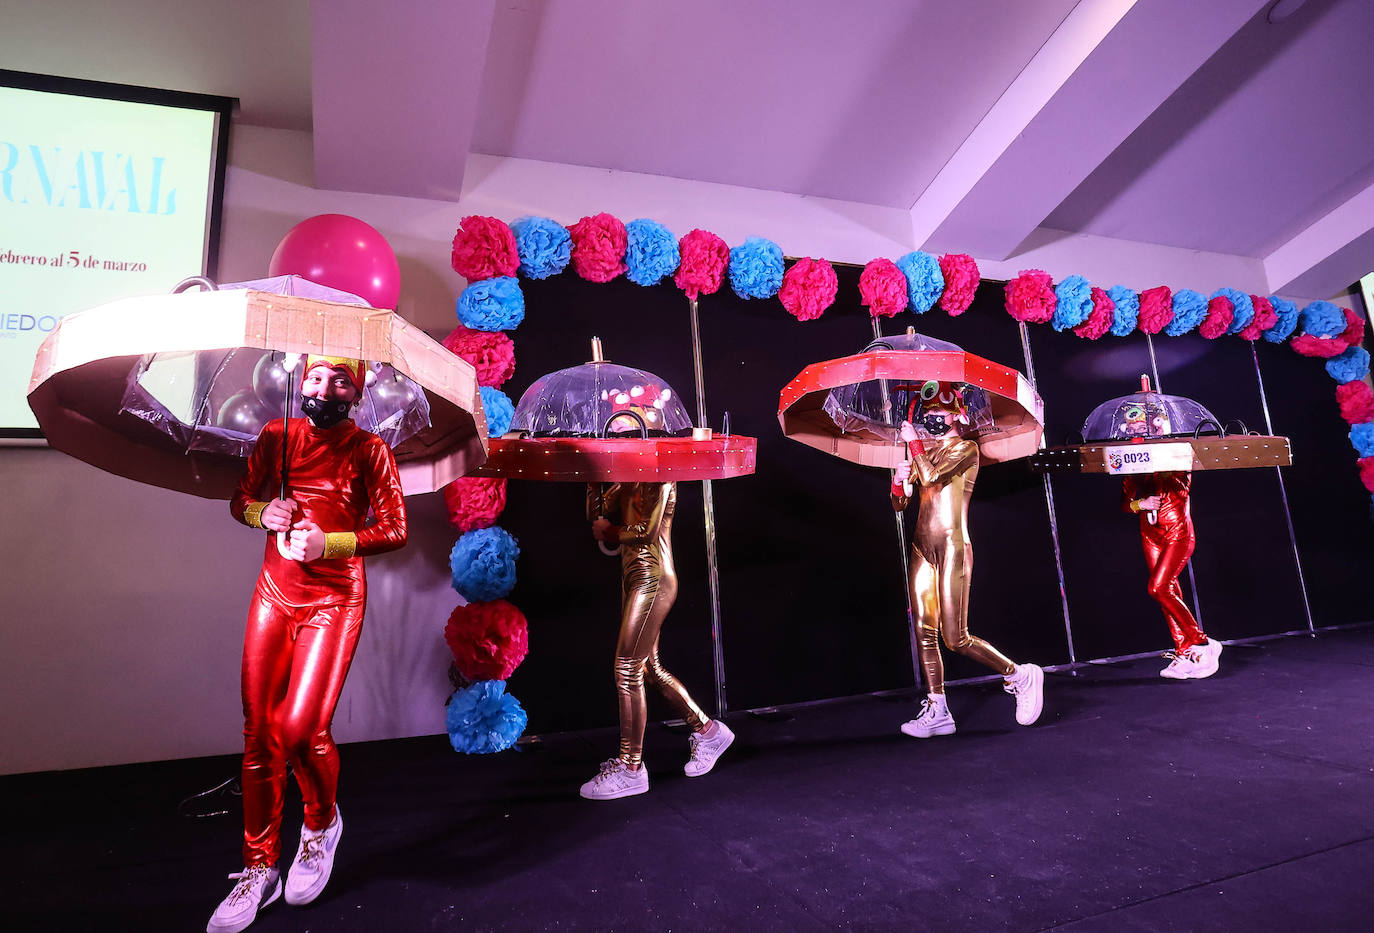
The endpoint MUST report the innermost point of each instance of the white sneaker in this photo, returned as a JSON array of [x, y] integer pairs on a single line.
[[935, 718], [1183, 665], [1208, 660], [257, 887], [614, 780], [706, 749], [314, 862], [1027, 684]]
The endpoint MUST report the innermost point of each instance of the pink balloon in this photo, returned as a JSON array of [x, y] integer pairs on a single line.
[[341, 252]]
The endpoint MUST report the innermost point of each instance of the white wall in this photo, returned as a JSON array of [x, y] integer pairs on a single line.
[[124, 604]]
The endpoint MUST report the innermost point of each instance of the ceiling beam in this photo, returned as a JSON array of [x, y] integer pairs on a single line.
[[1110, 64], [1329, 256], [395, 93]]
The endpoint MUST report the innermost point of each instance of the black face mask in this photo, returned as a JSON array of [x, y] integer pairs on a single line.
[[935, 425], [324, 414]]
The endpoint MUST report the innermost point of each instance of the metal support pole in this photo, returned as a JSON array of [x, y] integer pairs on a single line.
[[1049, 507], [1283, 496], [709, 513]]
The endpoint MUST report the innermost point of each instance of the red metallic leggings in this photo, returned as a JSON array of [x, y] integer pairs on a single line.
[[295, 660], [1167, 549]]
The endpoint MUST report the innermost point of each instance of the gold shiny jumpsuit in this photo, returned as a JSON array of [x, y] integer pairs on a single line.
[[942, 556], [642, 517]]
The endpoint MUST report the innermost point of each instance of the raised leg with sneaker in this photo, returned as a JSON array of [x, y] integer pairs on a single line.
[[314, 862], [1027, 684], [707, 746], [934, 719], [258, 886]]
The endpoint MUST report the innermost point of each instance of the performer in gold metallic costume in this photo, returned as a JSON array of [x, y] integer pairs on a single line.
[[639, 518], [944, 467]]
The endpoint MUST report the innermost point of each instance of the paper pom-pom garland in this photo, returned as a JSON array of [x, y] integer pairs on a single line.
[[1100, 318], [482, 718], [808, 288], [475, 501], [1220, 312], [651, 252], [1127, 312], [483, 564], [1354, 332], [499, 409], [756, 268], [1362, 439], [598, 247], [544, 247], [1366, 466], [961, 277], [484, 247], [1323, 347], [1242, 308], [1030, 297], [491, 353], [882, 288], [924, 280], [1322, 319], [492, 304], [1356, 399], [1189, 310], [1156, 309], [1286, 314], [1073, 302], [488, 640], [1264, 318], [1349, 366], [701, 268]]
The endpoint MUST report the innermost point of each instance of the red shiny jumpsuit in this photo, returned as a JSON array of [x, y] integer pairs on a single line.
[[1168, 544], [305, 617]]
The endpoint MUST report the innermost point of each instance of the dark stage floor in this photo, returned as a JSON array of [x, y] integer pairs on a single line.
[[1241, 802]]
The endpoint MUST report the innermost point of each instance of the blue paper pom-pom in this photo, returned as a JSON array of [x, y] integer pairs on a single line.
[[1351, 365], [756, 268], [651, 252], [1190, 310], [499, 409], [492, 304], [1073, 302], [482, 718], [1322, 319], [1362, 438], [483, 564], [1244, 308], [1287, 320], [925, 283], [1127, 313], [544, 246]]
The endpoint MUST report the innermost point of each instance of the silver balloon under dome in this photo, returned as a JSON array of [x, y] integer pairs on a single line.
[[600, 399]]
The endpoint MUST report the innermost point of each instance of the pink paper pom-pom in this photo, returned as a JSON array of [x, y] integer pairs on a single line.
[[1100, 320], [704, 257], [1367, 472], [961, 282], [1320, 347], [1156, 309], [475, 501], [1031, 297], [488, 639], [1265, 318], [491, 353], [483, 248], [1220, 313], [1354, 329], [598, 247], [808, 288], [1356, 399], [882, 287]]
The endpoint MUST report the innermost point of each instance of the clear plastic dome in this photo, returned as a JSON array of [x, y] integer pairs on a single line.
[[600, 399], [1145, 414], [879, 406]]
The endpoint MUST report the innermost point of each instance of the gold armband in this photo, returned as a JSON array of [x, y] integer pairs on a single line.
[[339, 544], [252, 514], [1135, 505]]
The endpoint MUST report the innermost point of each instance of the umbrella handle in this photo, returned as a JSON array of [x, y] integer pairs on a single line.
[[282, 547], [608, 550], [1152, 516]]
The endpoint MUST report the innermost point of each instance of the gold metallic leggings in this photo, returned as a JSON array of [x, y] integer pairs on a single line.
[[648, 592], [939, 598]]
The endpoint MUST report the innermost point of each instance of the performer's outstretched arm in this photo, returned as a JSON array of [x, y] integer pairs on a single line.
[[945, 461]]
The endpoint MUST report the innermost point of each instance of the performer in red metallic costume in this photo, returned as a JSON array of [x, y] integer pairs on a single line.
[[303, 623], [1166, 534]]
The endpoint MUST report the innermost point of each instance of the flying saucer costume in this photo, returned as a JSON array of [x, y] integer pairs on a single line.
[[305, 617]]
